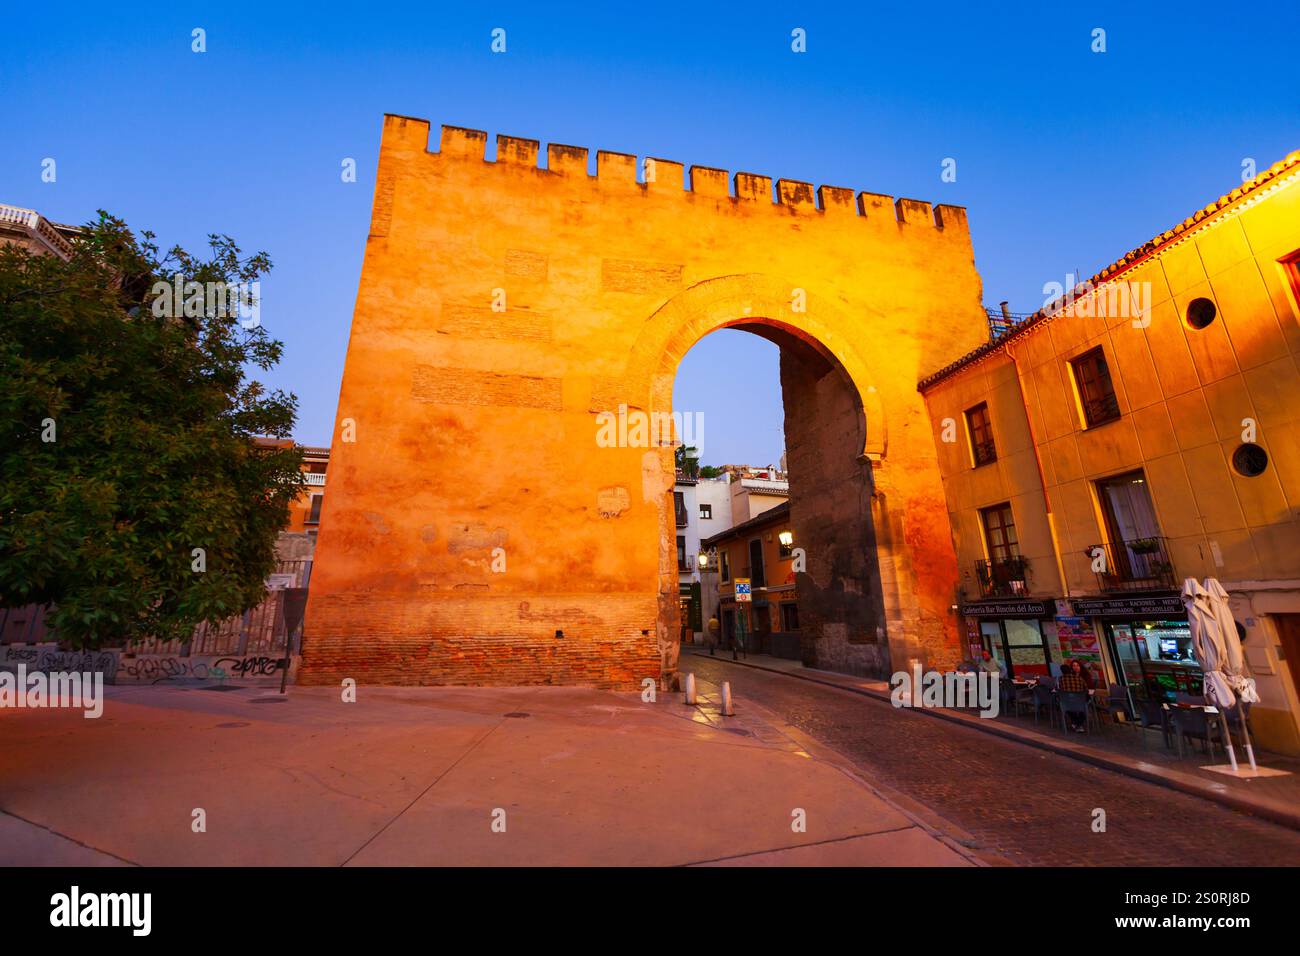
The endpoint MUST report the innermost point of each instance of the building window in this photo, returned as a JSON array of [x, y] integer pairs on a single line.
[[980, 429], [681, 554], [1250, 460], [724, 566], [1096, 393], [790, 617], [313, 517], [706, 511], [1020, 647], [1000, 533], [757, 576], [1155, 658], [1135, 557], [679, 508], [1291, 267], [1200, 313]]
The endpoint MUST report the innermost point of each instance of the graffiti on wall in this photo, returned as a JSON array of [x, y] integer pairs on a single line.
[[118, 668], [47, 658], [155, 668]]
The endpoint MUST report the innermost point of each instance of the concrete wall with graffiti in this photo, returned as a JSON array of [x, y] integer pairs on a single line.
[[121, 668]]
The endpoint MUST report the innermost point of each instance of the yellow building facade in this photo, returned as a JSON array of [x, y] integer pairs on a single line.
[[1141, 429]]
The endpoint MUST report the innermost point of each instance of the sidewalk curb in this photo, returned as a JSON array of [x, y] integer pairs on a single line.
[[1173, 779]]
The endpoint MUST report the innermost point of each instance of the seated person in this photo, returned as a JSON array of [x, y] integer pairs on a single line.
[[1073, 681]]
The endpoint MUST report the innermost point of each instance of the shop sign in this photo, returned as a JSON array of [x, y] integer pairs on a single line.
[[1156, 605], [1006, 609]]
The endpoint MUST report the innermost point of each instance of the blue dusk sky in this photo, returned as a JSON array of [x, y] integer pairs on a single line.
[[1065, 158]]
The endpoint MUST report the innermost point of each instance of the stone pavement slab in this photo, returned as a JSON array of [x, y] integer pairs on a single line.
[[415, 776], [23, 843]]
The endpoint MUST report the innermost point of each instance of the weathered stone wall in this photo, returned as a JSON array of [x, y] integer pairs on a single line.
[[841, 606], [466, 436]]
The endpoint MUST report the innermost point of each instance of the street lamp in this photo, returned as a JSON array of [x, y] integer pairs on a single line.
[[704, 560], [786, 538]]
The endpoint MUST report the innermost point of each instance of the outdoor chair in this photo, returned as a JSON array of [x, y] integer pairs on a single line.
[[1043, 702], [1150, 713], [1048, 682], [1114, 705], [1117, 702], [1021, 697], [1196, 724], [1075, 702], [1007, 696]]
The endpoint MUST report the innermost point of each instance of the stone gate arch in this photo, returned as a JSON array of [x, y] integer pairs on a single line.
[[849, 610], [753, 299], [475, 528]]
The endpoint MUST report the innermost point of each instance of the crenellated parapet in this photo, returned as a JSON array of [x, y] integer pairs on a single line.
[[658, 176]]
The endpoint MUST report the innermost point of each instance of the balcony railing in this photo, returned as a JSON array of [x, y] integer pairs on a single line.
[[36, 226], [1100, 410], [311, 478], [1007, 577], [1139, 564], [679, 510]]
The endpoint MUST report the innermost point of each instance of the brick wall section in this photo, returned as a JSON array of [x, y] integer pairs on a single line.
[[487, 641]]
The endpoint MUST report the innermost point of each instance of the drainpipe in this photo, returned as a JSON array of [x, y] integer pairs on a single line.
[[1038, 463]]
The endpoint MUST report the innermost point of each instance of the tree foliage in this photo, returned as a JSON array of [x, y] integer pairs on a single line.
[[127, 440], [687, 460]]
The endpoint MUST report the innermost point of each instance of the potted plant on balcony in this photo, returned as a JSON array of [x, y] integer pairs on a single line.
[[1144, 545]]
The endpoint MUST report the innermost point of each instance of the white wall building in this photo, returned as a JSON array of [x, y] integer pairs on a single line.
[[703, 508]]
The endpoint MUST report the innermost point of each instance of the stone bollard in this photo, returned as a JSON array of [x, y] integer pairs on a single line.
[[688, 695], [727, 709]]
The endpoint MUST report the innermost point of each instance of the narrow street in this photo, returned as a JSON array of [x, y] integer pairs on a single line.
[[1026, 805]]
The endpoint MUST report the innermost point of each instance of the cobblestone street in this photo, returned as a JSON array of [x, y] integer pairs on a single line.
[[1024, 804]]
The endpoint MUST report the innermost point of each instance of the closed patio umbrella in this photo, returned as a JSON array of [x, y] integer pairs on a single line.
[[1209, 646], [1232, 661]]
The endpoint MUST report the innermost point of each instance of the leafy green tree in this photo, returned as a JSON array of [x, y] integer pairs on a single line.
[[687, 459], [711, 471], [133, 497]]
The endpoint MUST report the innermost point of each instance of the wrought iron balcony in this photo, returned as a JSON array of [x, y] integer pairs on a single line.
[[679, 510], [1007, 577], [1100, 410], [1139, 564]]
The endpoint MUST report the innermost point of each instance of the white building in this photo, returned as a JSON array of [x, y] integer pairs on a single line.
[[704, 508]]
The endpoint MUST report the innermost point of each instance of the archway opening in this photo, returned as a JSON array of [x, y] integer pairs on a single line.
[[774, 523]]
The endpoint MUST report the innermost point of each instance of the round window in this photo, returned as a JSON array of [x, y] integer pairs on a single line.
[[1250, 460], [1200, 313]]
